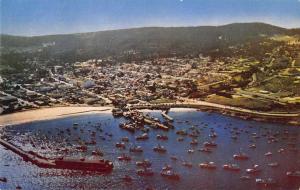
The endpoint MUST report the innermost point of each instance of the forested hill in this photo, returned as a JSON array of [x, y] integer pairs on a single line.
[[144, 41]]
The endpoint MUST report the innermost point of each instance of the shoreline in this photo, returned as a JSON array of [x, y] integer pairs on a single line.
[[246, 114], [49, 113]]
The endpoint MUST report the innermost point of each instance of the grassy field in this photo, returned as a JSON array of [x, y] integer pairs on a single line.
[[242, 102]]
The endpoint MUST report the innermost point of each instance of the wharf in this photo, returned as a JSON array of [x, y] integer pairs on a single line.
[[73, 164]]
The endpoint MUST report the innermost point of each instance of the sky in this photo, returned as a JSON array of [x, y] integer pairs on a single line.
[[42, 17]]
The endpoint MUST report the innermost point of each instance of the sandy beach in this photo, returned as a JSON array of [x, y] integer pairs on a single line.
[[48, 113]]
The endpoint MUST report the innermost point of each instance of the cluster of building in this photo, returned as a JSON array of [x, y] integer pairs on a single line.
[[157, 80]]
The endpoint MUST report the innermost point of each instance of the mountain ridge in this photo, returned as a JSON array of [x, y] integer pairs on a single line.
[[144, 42], [146, 27]]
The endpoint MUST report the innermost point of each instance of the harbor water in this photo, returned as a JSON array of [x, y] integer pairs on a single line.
[[274, 143]]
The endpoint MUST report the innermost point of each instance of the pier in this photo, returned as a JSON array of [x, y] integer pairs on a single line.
[[164, 114], [60, 163], [139, 117], [291, 118], [155, 124]]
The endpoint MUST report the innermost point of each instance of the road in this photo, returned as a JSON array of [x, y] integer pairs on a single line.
[[185, 102]]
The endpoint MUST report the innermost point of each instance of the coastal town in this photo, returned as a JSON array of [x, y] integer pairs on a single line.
[[268, 82], [149, 95]]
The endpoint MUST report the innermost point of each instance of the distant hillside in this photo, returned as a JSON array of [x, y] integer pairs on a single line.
[[159, 40]]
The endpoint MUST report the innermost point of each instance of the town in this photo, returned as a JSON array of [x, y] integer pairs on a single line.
[[269, 81]]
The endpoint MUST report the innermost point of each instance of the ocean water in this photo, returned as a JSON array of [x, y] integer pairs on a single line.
[[48, 138]]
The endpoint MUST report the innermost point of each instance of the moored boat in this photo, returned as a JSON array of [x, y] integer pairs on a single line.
[[268, 154], [160, 149], [293, 174], [144, 136], [124, 158], [206, 150], [167, 167], [145, 172], [144, 163], [125, 139], [194, 142], [245, 177], [187, 164], [273, 164], [231, 167], [208, 165], [240, 156], [161, 137], [120, 145], [181, 132], [269, 182], [254, 170], [136, 149], [169, 174], [210, 144], [190, 151]]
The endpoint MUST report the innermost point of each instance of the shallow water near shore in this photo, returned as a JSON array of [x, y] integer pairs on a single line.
[[48, 138]]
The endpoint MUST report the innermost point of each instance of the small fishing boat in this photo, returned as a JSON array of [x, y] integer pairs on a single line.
[[213, 135], [167, 167], [187, 164], [124, 158], [194, 134], [190, 151], [208, 165], [254, 170], [206, 150], [234, 137], [144, 136], [179, 139], [194, 142], [120, 145], [268, 154], [245, 177], [3, 179], [144, 163], [240, 156], [97, 153], [127, 126], [181, 132], [125, 139], [169, 174], [160, 149], [210, 144], [231, 167], [145, 172], [161, 137], [136, 149], [273, 164], [281, 150], [269, 182]]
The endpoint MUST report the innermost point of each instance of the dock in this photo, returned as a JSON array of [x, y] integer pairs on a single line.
[[60, 163], [155, 124], [164, 114]]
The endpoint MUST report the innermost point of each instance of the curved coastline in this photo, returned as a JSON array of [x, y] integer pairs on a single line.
[[282, 117], [67, 111], [49, 113]]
